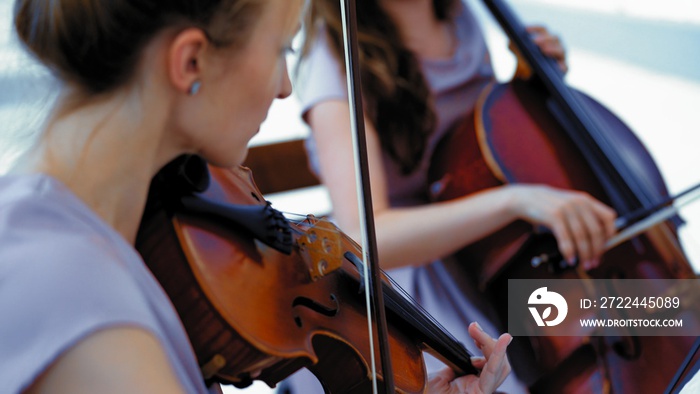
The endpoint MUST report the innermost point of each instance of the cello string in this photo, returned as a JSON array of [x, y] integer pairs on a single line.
[[605, 159]]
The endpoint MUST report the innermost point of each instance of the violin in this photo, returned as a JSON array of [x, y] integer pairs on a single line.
[[261, 297], [541, 131]]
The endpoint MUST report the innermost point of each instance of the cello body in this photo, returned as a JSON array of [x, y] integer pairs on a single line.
[[511, 137], [541, 131]]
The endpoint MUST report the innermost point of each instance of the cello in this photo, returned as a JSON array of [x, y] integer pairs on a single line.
[[541, 131]]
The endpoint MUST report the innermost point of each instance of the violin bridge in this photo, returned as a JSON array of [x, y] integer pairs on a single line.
[[320, 249]]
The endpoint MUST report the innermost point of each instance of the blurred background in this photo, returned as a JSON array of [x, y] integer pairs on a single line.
[[640, 58]]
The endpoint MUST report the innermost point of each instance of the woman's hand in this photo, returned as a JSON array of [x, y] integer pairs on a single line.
[[494, 367], [580, 223], [549, 44]]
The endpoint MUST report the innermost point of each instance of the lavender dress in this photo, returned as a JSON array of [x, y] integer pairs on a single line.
[[64, 275], [455, 84]]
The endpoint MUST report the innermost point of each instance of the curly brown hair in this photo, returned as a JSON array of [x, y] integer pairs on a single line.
[[395, 94]]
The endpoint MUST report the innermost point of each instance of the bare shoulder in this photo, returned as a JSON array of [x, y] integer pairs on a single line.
[[114, 360], [328, 112]]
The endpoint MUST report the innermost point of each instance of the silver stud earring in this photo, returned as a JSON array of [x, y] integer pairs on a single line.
[[194, 88]]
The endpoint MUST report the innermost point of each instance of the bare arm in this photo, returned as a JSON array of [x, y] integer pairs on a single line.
[[116, 360], [416, 235]]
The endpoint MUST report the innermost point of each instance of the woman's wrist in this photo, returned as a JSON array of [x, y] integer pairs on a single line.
[[511, 201], [497, 206]]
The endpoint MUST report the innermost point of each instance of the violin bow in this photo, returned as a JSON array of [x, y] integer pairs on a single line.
[[374, 295]]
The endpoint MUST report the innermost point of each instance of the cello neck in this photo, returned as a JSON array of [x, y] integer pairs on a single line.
[[626, 190]]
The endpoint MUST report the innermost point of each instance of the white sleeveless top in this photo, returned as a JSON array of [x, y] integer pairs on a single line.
[[65, 274], [454, 83]]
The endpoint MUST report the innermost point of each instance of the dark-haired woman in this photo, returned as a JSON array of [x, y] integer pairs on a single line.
[[423, 65], [144, 81]]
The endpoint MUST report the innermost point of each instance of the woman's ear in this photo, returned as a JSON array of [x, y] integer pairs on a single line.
[[185, 59]]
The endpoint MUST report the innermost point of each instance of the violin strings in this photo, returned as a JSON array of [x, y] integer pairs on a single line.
[[437, 329], [292, 215], [420, 308]]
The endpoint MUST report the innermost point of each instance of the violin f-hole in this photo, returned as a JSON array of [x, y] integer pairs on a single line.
[[316, 307]]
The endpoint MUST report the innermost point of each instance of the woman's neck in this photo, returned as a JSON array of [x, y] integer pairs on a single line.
[[420, 29], [106, 152]]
